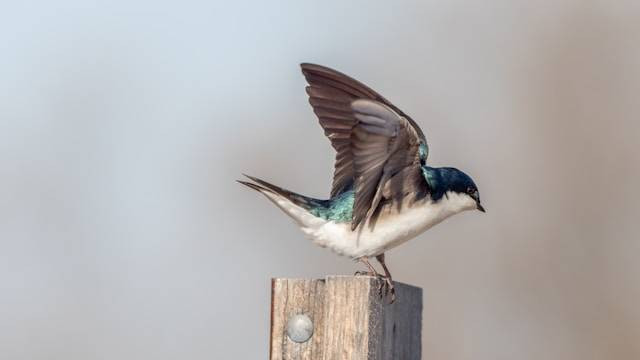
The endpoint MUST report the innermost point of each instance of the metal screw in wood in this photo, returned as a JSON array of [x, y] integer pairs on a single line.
[[299, 328]]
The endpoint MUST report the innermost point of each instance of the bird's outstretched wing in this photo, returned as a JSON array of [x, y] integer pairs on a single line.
[[379, 148]]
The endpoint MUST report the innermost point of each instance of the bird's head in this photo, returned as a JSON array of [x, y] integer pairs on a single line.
[[448, 181]]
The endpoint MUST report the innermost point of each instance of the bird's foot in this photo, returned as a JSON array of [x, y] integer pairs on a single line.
[[372, 271], [385, 284], [366, 273], [386, 288]]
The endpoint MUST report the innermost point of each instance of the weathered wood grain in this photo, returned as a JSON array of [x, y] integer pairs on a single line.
[[350, 319]]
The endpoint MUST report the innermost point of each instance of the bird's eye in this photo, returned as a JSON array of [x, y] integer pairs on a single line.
[[470, 190]]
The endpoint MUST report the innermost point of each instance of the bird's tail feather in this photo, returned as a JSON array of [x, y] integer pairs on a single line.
[[263, 186], [298, 207]]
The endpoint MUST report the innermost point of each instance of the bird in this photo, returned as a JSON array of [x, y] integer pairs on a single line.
[[383, 192]]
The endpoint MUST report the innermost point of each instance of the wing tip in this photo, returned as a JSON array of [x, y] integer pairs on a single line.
[[307, 65], [311, 68], [308, 68]]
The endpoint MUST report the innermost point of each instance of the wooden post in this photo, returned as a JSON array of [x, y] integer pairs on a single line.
[[350, 320]]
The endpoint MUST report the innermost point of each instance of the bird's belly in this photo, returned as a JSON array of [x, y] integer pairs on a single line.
[[389, 231]]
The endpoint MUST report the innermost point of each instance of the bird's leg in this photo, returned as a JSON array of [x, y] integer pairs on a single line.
[[372, 271], [388, 281]]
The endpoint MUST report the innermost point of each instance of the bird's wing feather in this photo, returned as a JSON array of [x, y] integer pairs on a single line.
[[385, 155], [330, 94]]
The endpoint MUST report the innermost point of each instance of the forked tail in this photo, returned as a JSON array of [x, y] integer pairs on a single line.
[[298, 207]]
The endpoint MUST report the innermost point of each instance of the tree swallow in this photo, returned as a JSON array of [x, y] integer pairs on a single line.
[[383, 191]]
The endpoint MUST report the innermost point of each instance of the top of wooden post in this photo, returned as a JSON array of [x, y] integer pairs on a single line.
[[349, 319]]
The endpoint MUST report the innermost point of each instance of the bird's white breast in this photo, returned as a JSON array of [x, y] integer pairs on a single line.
[[391, 229]]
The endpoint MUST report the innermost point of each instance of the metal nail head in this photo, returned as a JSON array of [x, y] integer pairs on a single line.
[[299, 328]]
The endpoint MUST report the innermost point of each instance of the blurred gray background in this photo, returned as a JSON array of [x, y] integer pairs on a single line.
[[123, 126]]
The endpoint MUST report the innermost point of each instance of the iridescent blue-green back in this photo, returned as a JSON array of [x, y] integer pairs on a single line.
[[339, 208]]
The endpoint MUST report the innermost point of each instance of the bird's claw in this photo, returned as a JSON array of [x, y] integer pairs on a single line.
[[365, 273], [385, 285], [386, 288]]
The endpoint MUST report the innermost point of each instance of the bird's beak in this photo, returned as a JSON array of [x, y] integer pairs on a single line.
[[479, 207]]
